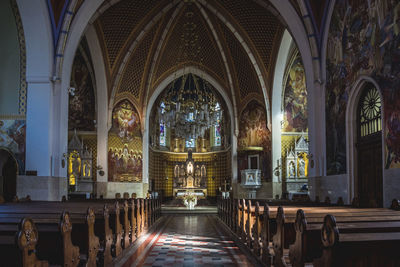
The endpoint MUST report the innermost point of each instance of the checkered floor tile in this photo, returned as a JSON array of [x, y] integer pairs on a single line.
[[193, 241]]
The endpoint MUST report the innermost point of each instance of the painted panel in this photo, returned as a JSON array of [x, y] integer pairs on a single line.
[[82, 113], [125, 145], [254, 138], [295, 99]]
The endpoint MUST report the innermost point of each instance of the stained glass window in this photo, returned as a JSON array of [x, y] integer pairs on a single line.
[[369, 117], [190, 142], [190, 117], [162, 134], [217, 126]]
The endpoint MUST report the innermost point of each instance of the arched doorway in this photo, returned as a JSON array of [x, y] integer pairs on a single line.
[[369, 148], [8, 174]]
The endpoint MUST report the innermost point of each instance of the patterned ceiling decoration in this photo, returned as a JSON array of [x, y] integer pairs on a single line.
[[119, 21], [190, 42], [254, 21], [191, 39], [132, 80], [244, 71]]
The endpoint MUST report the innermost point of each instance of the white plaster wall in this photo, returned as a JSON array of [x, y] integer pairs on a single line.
[[115, 187], [333, 186], [39, 58], [42, 188]]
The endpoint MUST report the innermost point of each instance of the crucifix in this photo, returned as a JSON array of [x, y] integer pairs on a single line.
[[225, 184]]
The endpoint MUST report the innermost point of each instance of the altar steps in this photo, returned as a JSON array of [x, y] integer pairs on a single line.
[[183, 210]]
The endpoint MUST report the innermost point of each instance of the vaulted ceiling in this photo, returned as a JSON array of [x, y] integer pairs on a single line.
[[143, 42]]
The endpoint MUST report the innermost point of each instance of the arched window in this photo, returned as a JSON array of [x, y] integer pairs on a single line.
[[217, 126], [369, 112], [163, 130]]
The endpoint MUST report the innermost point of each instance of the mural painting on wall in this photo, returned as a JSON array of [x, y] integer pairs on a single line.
[[363, 39], [254, 134], [125, 145], [125, 121], [124, 164], [81, 99], [12, 137], [295, 99]]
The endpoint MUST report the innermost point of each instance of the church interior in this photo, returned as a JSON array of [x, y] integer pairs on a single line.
[[194, 132]]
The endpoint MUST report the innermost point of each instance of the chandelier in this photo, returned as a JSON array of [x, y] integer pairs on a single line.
[[189, 107]]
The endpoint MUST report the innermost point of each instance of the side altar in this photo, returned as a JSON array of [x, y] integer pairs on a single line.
[[190, 177]]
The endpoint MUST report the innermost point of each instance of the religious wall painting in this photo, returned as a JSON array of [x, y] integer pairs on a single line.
[[363, 40], [253, 131], [254, 138], [124, 165], [12, 137], [295, 99], [82, 112], [126, 123]]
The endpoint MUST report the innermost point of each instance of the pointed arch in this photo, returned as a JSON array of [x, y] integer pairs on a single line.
[[351, 134], [158, 91]]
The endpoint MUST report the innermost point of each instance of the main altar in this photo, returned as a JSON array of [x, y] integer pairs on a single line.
[[190, 177]]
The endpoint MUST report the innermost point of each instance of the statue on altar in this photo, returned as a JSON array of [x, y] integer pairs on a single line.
[[190, 174]]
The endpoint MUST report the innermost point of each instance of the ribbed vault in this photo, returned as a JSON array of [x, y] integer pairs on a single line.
[[233, 41]]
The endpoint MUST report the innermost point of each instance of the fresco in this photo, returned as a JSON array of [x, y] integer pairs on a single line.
[[295, 99], [363, 40], [125, 145], [253, 131], [126, 122], [124, 164], [12, 136], [82, 112], [254, 135]]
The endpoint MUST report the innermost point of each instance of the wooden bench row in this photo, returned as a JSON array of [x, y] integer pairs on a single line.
[[275, 237], [91, 238]]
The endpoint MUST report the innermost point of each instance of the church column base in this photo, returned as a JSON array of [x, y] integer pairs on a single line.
[[109, 189], [45, 188]]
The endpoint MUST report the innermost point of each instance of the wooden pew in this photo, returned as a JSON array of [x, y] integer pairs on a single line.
[[19, 248], [127, 225], [289, 227], [107, 238], [93, 241], [27, 238], [133, 220], [357, 249], [46, 213], [70, 252], [308, 245], [116, 225], [265, 236]]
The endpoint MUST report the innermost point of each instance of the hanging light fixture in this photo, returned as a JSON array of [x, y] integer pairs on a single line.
[[189, 107]]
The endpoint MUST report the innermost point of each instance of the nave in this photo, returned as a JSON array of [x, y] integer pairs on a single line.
[[187, 240], [142, 232]]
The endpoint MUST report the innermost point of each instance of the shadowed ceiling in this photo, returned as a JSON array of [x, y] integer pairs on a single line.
[[143, 42]]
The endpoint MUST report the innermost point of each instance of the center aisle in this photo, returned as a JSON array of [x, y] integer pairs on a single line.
[[188, 240]]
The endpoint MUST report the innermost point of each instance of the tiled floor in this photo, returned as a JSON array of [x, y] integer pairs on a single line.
[[190, 240]]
